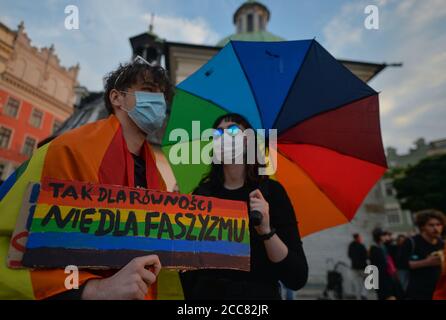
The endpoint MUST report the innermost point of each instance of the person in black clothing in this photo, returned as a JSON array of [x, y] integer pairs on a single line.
[[421, 255], [403, 271], [276, 247], [391, 246], [389, 286], [357, 253]]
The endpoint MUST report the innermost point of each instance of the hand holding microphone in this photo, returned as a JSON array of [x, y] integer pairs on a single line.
[[259, 212]]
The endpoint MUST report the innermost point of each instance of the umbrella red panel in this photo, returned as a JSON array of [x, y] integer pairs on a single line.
[[344, 179], [352, 130]]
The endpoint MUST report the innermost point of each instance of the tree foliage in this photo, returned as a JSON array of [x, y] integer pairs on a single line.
[[423, 186]]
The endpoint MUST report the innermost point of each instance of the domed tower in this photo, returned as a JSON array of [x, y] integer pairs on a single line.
[[251, 21]]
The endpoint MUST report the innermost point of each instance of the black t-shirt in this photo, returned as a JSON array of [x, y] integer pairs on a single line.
[[262, 281], [357, 253], [422, 281], [140, 171]]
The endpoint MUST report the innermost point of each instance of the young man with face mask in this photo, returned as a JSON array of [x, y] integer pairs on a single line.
[[136, 95], [110, 151]]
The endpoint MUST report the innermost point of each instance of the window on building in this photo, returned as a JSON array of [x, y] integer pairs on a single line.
[[261, 23], [250, 18], [377, 192], [393, 216], [28, 147], [36, 118], [56, 125], [11, 108], [390, 191], [374, 208], [440, 144], [5, 136]]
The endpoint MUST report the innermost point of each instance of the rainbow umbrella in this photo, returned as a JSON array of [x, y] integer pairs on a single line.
[[329, 147]]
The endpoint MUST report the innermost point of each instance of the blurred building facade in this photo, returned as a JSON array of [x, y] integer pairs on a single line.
[[437, 147], [399, 220], [420, 151], [36, 96]]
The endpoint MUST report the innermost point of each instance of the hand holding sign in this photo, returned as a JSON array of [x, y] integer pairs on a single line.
[[258, 203], [130, 283]]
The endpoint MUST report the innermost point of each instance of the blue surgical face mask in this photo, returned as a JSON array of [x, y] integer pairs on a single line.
[[149, 112]]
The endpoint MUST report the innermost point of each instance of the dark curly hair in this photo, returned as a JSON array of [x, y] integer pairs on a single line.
[[132, 73], [422, 217]]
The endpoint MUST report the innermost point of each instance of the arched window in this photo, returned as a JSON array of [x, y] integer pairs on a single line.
[[261, 22], [250, 22]]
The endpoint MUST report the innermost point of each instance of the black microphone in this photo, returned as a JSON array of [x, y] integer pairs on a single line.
[[255, 218]]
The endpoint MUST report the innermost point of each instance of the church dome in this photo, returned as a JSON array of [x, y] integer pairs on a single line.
[[251, 20]]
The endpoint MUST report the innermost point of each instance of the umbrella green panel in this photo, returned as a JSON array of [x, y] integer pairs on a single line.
[[186, 109], [182, 143], [188, 162]]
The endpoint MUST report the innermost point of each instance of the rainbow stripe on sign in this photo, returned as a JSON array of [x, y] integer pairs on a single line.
[[106, 226]]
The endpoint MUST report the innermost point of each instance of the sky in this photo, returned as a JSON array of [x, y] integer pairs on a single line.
[[412, 97]]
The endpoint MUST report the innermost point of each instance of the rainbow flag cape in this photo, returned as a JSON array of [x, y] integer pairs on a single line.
[[95, 153]]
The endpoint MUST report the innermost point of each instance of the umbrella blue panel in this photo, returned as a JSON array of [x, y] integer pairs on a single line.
[[271, 68], [223, 82], [322, 84]]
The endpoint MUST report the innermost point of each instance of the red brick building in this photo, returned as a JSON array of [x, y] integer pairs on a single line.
[[36, 96]]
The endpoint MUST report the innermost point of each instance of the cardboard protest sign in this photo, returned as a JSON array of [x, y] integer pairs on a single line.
[[103, 226]]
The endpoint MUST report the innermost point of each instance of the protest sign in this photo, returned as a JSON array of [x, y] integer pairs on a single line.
[[104, 226]]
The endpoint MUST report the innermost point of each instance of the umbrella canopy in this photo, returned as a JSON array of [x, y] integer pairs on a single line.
[[329, 145]]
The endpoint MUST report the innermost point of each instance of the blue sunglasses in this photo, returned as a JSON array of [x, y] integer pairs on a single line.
[[232, 130]]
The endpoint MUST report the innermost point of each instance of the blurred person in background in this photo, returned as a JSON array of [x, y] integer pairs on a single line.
[[357, 253], [389, 286], [391, 245], [403, 272], [423, 256]]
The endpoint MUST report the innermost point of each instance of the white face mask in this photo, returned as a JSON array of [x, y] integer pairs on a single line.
[[229, 149]]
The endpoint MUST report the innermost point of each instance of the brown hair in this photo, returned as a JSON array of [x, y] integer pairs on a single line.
[[422, 217], [132, 73]]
